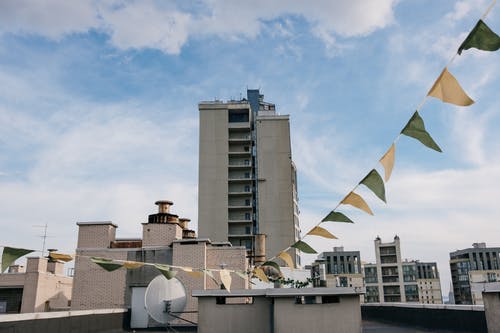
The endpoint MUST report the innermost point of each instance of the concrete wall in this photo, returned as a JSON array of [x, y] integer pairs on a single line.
[[276, 210], [332, 317], [213, 172], [160, 234], [454, 318], [108, 321], [492, 311], [229, 318]]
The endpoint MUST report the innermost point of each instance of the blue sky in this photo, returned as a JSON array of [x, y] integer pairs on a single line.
[[99, 119]]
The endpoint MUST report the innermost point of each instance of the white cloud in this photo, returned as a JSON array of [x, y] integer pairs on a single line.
[[163, 26]]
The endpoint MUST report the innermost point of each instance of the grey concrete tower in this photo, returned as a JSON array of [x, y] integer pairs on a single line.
[[247, 180]]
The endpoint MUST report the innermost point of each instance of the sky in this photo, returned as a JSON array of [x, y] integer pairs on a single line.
[[99, 116]]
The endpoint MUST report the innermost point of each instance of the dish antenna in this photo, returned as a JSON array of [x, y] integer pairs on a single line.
[[164, 299]]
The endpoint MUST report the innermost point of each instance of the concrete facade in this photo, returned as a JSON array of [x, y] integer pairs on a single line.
[[166, 240], [391, 279], [491, 299], [466, 261], [42, 287], [280, 310], [247, 180]]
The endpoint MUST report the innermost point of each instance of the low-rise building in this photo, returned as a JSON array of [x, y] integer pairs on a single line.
[[166, 239], [41, 287], [338, 268], [391, 279], [470, 269]]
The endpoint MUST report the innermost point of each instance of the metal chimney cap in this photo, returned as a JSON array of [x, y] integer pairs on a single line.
[[160, 202]]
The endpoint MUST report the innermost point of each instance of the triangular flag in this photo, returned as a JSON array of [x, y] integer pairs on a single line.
[[211, 275], [166, 271], [107, 264], [357, 201], [415, 128], [287, 258], [132, 264], [375, 183], [304, 247], [318, 231], [272, 264], [60, 256], [482, 38], [225, 277], [447, 89], [388, 162], [186, 269], [11, 254], [336, 217], [258, 272], [195, 274]]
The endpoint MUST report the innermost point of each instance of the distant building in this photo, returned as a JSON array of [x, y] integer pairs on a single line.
[[471, 269], [42, 287], [338, 268], [392, 280], [247, 179], [166, 239]]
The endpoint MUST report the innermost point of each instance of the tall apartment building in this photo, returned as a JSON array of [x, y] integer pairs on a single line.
[[247, 179], [470, 269], [394, 280]]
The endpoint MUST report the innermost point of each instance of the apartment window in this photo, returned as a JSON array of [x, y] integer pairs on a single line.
[[247, 162], [247, 188], [247, 148], [247, 216], [247, 230], [247, 202], [238, 116], [247, 174]]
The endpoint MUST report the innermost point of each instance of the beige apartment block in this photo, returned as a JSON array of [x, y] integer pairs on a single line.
[[247, 179], [391, 279], [41, 287], [166, 240]]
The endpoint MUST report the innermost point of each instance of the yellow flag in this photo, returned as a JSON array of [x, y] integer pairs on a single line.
[[258, 272], [186, 269], [357, 201], [60, 256], [388, 162], [225, 277], [287, 258], [195, 274], [447, 89], [132, 264], [318, 231]]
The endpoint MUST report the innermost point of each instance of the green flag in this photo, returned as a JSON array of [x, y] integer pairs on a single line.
[[375, 183], [304, 247], [482, 38], [11, 254], [107, 264], [166, 271], [272, 264], [336, 217], [415, 128]]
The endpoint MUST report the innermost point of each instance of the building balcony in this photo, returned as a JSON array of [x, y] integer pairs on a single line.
[[239, 153], [240, 207], [240, 179], [242, 221], [239, 166], [242, 139], [239, 125], [239, 236], [240, 193]]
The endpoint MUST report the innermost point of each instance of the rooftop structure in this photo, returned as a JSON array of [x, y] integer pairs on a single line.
[[41, 287], [166, 239]]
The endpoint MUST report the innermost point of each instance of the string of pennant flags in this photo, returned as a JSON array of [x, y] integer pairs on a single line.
[[446, 88]]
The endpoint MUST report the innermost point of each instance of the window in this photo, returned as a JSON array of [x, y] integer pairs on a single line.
[[247, 188], [247, 216]]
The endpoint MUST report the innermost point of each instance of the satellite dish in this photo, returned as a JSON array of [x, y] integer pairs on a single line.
[[163, 297]]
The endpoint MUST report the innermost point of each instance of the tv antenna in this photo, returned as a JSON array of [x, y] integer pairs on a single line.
[[44, 236]]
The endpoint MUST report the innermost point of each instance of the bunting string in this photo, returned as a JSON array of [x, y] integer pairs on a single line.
[[447, 89]]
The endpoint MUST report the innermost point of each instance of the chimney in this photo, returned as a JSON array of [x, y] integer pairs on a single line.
[[164, 206], [183, 222]]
